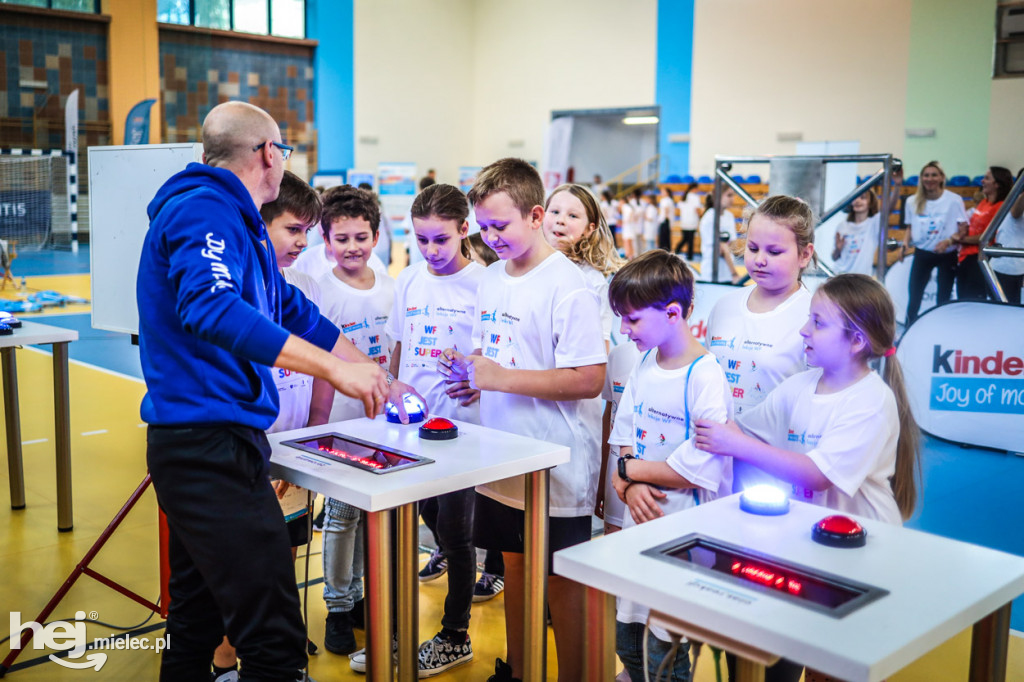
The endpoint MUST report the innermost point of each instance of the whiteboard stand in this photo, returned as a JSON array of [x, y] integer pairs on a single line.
[[122, 182]]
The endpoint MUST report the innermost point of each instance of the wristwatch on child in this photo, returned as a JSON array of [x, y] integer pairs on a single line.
[[622, 468]]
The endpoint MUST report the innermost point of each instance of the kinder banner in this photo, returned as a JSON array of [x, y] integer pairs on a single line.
[[965, 374]]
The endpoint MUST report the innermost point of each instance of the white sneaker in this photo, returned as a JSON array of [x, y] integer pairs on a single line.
[[357, 660]]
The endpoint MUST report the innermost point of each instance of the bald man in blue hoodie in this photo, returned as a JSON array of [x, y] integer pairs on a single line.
[[214, 315]]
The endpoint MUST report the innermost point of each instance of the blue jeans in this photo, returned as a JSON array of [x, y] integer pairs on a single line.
[[629, 645], [343, 555]]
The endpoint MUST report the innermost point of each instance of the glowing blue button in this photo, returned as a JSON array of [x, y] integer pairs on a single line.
[[765, 500], [414, 407]]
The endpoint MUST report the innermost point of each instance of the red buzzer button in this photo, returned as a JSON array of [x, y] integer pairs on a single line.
[[438, 428], [839, 531]]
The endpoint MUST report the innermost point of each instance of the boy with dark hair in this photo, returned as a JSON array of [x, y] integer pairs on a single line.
[[660, 470], [539, 352], [358, 300]]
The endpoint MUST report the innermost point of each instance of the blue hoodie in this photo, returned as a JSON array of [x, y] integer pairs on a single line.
[[214, 311]]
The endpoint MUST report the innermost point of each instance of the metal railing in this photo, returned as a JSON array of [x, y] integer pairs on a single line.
[[985, 253], [723, 164], [646, 172]]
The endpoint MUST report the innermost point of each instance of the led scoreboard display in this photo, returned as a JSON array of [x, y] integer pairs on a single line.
[[357, 453], [807, 587]]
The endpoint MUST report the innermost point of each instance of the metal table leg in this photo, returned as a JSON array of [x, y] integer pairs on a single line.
[[535, 557], [599, 655], [12, 418], [749, 671], [378, 596], [408, 593], [989, 646], [62, 436]]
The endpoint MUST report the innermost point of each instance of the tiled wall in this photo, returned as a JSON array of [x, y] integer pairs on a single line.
[[199, 71], [66, 54]]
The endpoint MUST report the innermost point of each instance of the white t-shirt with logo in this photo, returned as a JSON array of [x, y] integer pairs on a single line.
[[850, 436], [939, 221], [757, 352], [653, 418], [621, 361], [709, 244], [546, 319], [362, 316], [294, 389], [627, 224], [1010, 235], [858, 253], [431, 313]]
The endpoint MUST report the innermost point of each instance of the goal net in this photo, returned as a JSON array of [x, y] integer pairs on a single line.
[[34, 202]]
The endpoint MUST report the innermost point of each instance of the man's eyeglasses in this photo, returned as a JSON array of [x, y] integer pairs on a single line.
[[286, 150]]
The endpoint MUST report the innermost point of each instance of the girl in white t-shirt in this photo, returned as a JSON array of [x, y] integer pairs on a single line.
[[434, 307], [843, 437], [857, 238], [717, 232], [1010, 271], [627, 229]]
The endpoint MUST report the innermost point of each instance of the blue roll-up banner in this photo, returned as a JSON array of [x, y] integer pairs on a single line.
[[136, 126], [24, 211], [964, 372]]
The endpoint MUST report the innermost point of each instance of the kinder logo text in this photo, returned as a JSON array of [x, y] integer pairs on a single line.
[[972, 383]]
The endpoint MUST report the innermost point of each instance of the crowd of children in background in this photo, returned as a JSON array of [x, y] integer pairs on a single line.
[[565, 319]]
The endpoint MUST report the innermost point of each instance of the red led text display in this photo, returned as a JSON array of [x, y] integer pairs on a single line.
[[797, 584], [357, 453]]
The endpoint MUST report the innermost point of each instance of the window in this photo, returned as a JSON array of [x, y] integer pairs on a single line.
[[284, 18], [1009, 59], [91, 6]]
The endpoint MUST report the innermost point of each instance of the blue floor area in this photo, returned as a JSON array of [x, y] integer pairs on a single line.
[[51, 262], [973, 495], [109, 350]]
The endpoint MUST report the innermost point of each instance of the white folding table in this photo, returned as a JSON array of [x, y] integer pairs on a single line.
[[31, 333], [479, 455], [933, 588]]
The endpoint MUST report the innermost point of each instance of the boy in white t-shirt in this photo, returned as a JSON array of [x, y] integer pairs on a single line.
[[539, 353], [660, 470], [358, 300]]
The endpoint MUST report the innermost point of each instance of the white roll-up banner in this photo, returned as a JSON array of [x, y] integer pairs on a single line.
[[964, 372]]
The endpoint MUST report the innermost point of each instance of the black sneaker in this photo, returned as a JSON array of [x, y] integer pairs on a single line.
[[311, 648], [487, 587], [441, 653], [436, 566], [502, 672], [338, 636]]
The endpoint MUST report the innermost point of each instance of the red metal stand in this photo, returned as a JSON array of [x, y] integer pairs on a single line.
[[83, 569]]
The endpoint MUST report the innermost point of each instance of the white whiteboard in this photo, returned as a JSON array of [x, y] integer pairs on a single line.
[[122, 182]]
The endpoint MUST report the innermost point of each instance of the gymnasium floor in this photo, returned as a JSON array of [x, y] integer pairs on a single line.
[[969, 494]]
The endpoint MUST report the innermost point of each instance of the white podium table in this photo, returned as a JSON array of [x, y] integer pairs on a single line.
[[479, 455], [936, 587], [31, 333]]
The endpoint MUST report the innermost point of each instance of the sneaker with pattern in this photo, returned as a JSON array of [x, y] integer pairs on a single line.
[[443, 653]]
